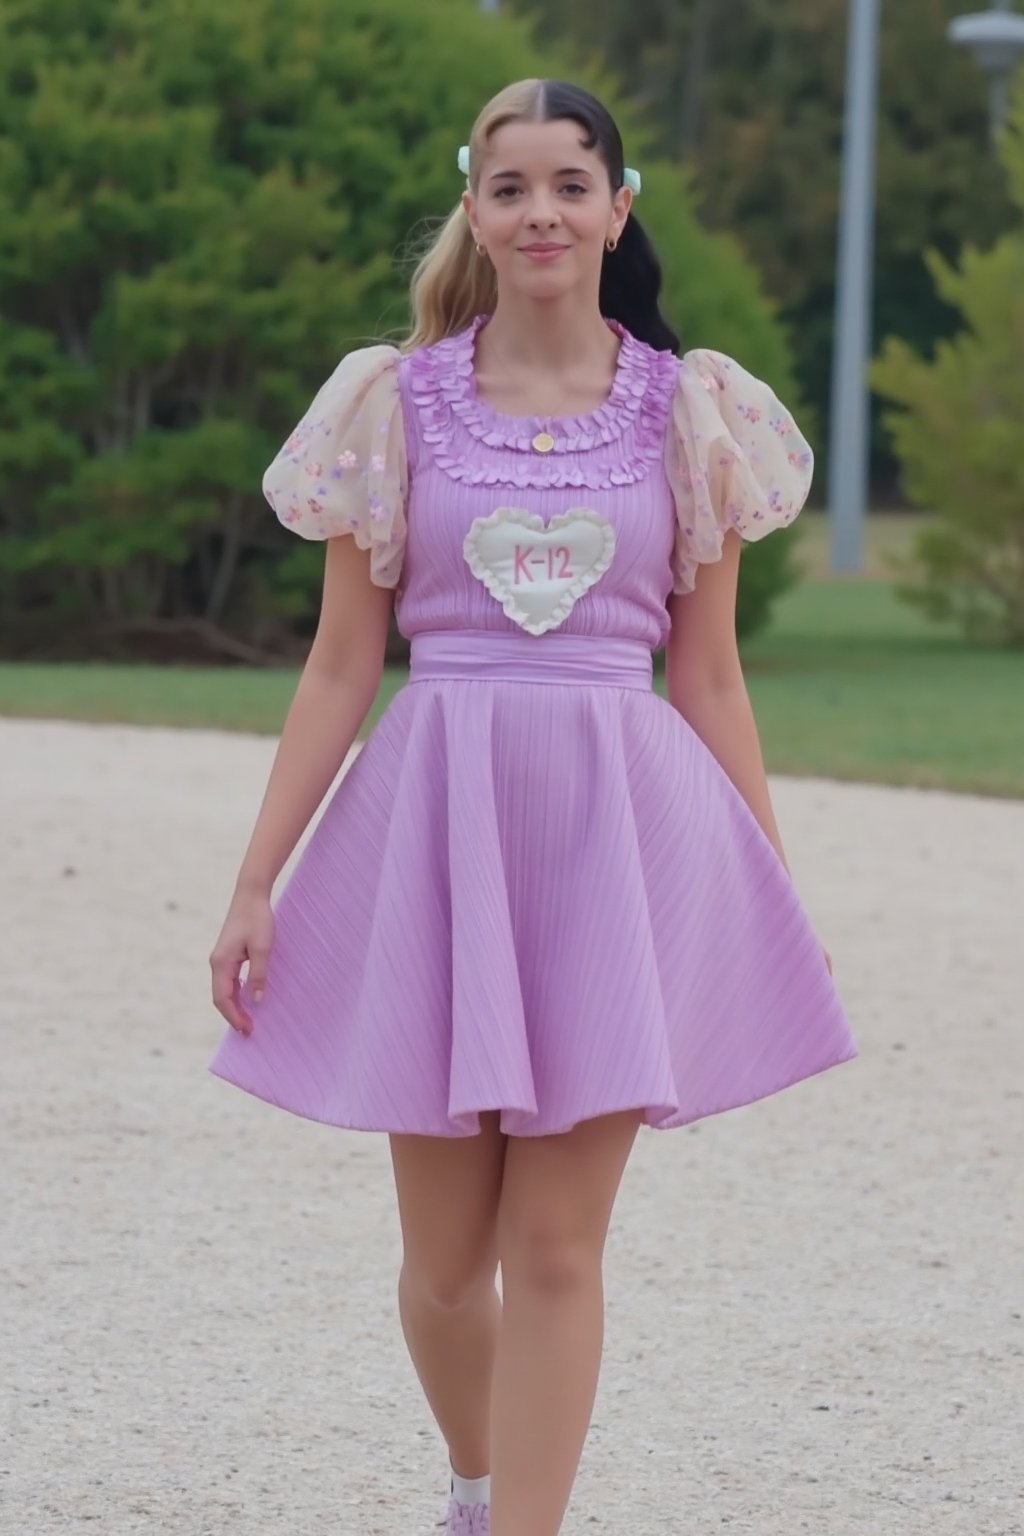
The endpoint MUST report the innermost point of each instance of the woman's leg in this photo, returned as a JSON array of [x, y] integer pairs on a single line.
[[448, 1195], [556, 1203]]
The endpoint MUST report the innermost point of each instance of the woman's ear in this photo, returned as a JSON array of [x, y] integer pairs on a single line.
[[621, 204], [469, 209]]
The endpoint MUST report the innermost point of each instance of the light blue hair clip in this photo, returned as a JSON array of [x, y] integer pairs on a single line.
[[464, 159]]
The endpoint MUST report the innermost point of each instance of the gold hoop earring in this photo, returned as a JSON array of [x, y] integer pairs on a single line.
[[610, 243], [481, 250]]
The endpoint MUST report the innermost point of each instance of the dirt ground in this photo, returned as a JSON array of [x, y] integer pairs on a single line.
[[814, 1304]]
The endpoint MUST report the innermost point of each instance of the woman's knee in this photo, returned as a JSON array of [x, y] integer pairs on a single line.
[[448, 1283], [541, 1257], [448, 1194]]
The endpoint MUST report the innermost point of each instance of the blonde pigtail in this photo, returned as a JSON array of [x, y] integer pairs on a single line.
[[452, 284]]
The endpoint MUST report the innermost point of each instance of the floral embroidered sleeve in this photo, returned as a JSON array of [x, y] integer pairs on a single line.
[[734, 458], [343, 470]]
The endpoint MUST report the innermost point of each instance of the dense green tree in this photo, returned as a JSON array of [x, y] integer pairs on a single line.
[[751, 95], [957, 427], [201, 209]]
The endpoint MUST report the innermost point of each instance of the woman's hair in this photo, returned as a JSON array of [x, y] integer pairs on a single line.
[[452, 284]]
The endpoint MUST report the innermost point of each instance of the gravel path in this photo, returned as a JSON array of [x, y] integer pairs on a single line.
[[814, 1305]]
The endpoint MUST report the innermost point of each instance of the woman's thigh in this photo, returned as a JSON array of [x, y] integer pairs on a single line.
[[448, 1197], [557, 1197]]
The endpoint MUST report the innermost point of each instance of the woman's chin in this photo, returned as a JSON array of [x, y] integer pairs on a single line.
[[541, 284]]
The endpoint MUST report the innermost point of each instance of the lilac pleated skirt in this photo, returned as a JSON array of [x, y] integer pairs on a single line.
[[535, 892]]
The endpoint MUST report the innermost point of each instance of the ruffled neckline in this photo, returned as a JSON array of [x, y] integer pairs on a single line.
[[452, 366], [453, 417]]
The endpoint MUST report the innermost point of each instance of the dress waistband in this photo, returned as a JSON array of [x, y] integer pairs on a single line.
[[487, 656]]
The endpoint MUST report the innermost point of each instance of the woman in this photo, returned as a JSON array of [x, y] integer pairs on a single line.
[[545, 906]]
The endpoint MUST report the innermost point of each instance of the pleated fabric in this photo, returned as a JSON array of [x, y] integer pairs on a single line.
[[536, 891], [539, 894]]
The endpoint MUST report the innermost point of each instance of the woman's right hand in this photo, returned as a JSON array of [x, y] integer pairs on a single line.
[[247, 935]]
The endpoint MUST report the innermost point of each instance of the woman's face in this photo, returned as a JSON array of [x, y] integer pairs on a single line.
[[544, 209]]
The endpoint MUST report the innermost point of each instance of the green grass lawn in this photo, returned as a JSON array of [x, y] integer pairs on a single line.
[[848, 683]]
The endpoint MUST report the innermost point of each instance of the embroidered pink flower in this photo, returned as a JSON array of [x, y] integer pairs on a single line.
[[314, 470], [378, 462], [315, 506], [751, 413], [347, 460]]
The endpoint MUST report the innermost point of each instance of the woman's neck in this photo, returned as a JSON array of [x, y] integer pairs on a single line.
[[524, 335]]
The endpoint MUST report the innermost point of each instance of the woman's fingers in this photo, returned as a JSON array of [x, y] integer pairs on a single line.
[[225, 971], [256, 980], [245, 939]]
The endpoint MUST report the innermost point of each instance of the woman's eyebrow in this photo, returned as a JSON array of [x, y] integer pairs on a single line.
[[571, 170]]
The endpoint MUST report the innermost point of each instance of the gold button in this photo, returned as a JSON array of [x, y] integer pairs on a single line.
[[543, 442]]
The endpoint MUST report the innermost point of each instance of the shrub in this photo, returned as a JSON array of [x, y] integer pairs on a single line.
[[201, 209], [959, 437]]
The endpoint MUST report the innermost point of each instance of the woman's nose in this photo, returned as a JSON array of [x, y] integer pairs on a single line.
[[542, 212]]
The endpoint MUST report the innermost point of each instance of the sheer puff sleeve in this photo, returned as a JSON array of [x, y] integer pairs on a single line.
[[734, 459], [343, 470]]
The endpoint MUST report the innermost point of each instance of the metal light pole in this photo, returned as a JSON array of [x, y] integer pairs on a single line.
[[849, 440], [996, 38]]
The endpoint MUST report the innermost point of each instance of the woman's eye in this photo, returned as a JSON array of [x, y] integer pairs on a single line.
[[575, 187]]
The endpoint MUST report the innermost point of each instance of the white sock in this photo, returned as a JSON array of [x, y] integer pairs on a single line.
[[471, 1490]]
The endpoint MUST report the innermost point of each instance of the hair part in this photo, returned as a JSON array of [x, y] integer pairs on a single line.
[[452, 283]]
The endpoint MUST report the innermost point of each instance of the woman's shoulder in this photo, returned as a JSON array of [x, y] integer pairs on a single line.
[[343, 468], [364, 364], [715, 372], [363, 374], [724, 378], [736, 459], [713, 386]]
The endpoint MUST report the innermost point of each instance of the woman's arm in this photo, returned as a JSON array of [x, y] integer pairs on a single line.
[[335, 692], [705, 681]]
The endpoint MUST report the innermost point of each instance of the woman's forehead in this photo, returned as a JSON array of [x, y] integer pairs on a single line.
[[521, 145]]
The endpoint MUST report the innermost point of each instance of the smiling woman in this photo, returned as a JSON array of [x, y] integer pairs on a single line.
[[541, 146], [545, 906]]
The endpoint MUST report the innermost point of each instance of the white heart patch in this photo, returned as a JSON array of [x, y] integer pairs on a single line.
[[539, 573]]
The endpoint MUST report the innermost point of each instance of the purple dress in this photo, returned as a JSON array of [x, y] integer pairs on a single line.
[[536, 890]]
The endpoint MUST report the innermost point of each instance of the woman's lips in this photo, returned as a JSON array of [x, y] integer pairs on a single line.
[[544, 252]]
